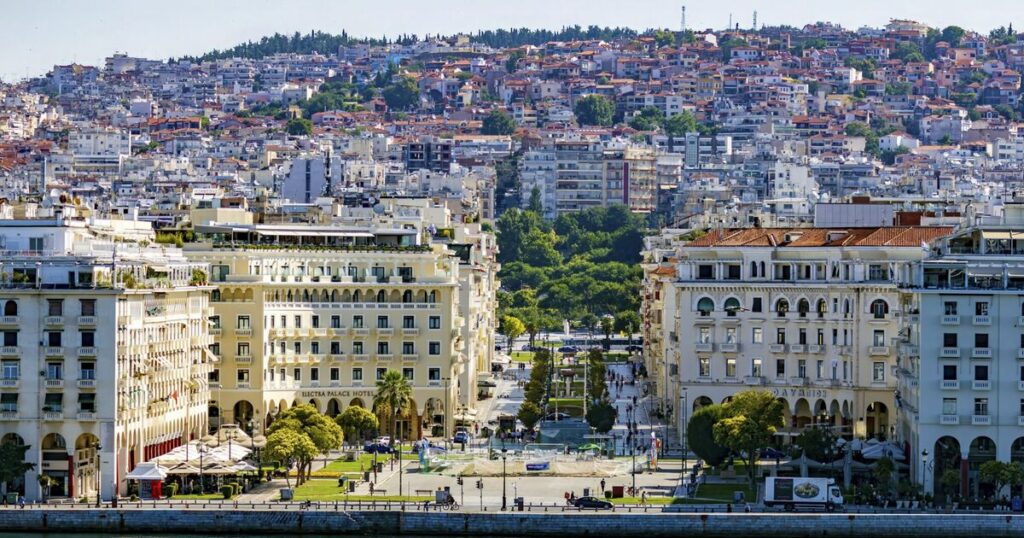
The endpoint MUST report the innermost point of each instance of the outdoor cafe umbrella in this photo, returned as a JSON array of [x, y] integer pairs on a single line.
[[588, 446], [183, 468]]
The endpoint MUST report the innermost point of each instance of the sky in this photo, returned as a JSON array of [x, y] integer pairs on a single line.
[[37, 34]]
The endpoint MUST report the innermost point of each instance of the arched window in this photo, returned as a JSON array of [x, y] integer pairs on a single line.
[[879, 308], [357, 296], [753, 269], [11, 308], [762, 270], [215, 296], [705, 305], [803, 307], [407, 296], [432, 298], [821, 307], [782, 306], [382, 297], [846, 308], [732, 305]]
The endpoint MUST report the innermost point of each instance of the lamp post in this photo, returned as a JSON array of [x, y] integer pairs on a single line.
[[682, 410], [202, 451], [504, 499], [98, 481], [399, 442]]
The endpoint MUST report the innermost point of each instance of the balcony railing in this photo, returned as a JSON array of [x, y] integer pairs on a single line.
[[981, 385], [753, 380], [86, 352], [86, 415], [981, 420], [243, 359], [950, 384], [951, 320], [815, 348], [243, 331], [952, 352], [54, 383], [729, 348], [54, 351], [878, 350], [8, 415], [10, 351], [86, 383], [53, 415], [949, 420], [9, 383], [797, 348], [798, 381], [777, 348], [54, 320], [705, 347], [982, 320], [10, 320], [981, 353], [87, 320]]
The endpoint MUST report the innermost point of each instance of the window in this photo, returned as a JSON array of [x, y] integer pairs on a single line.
[[821, 337], [88, 338], [380, 373], [298, 348], [9, 402], [10, 369], [730, 367], [802, 307], [801, 368], [314, 374], [949, 372], [10, 338], [949, 406], [705, 272], [755, 367], [297, 374], [243, 322], [755, 304], [822, 308], [215, 322], [213, 377], [357, 348], [981, 308], [781, 307], [950, 308], [243, 349], [780, 336], [981, 340], [434, 322], [876, 272], [357, 322], [878, 371], [730, 335], [55, 307], [981, 406], [53, 338], [949, 340], [408, 322], [434, 348], [88, 306], [55, 370], [757, 335], [86, 402], [780, 367], [383, 348], [357, 374], [335, 348], [802, 337], [878, 338], [981, 372], [314, 348], [879, 309], [705, 305], [53, 403], [335, 374], [705, 335], [408, 348], [407, 373], [819, 369], [732, 272], [298, 322], [315, 322], [335, 322], [434, 374], [705, 367], [242, 376]]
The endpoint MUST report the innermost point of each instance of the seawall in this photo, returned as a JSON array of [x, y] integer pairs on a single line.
[[507, 524]]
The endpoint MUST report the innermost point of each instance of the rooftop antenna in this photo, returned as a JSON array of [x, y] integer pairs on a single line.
[[682, 21], [730, 22], [755, 20]]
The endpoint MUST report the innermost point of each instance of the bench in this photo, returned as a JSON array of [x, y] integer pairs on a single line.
[[422, 492]]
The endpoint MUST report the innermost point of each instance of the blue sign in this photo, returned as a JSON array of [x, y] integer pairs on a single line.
[[538, 466]]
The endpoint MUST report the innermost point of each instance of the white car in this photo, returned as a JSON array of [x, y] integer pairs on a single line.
[[386, 440]]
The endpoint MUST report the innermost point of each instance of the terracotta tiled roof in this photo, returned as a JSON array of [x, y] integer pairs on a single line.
[[887, 236]]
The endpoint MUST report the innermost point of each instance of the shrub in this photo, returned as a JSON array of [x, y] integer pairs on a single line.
[[171, 490], [227, 491]]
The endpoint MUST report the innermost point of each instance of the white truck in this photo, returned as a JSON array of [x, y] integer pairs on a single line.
[[795, 492]]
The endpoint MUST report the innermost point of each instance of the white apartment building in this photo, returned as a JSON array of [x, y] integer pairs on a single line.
[[97, 375], [807, 313], [961, 384]]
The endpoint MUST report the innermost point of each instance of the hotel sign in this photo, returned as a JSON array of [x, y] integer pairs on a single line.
[[334, 393], [802, 393]]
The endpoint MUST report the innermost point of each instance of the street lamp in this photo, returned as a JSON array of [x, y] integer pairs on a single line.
[[504, 499], [202, 451], [683, 408], [98, 447], [399, 442]]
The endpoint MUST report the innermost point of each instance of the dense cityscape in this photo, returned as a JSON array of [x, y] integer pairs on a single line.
[[669, 271]]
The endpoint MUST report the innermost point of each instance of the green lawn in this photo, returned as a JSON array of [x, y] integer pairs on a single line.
[[362, 463], [199, 497], [522, 356], [328, 490], [636, 500]]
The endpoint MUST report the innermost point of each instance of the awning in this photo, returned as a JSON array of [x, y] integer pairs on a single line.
[[989, 234], [147, 471]]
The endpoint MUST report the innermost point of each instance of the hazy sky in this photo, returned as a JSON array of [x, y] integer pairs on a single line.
[[36, 34]]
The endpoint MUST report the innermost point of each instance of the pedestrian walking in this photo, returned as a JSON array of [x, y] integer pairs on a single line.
[[21, 501], [602, 486], [371, 488], [643, 498]]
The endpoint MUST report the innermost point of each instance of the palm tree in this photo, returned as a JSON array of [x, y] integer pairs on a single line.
[[394, 393]]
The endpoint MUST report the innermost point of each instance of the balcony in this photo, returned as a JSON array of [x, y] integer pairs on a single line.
[[950, 320], [54, 321], [983, 320], [950, 384], [949, 420], [797, 348], [86, 352], [86, 415], [385, 356], [8, 415], [361, 331], [981, 353], [215, 331], [10, 320], [54, 351], [53, 415], [950, 352], [705, 347], [318, 333], [13, 382], [798, 381], [815, 348], [981, 385], [908, 350], [981, 420], [243, 359], [753, 380], [1020, 353], [878, 350], [729, 348], [86, 383], [338, 331], [434, 383], [777, 348], [360, 357], [86, 320], [410, 331], [410, 357], [242, 384], [385, 331], [243, 332], [335, 357], [54, 383]]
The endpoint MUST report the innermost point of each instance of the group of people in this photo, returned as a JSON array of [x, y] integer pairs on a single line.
[[21, 500]]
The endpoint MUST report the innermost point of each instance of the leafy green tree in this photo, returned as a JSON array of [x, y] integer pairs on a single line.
[[589, 321], [627, 322], [535, 205], [680, 124], [700, 436], [601, 416], [12, 462], [953, 35], [299, 126], [394, 393], [402, 95], [664, 38], [511, 327], [607, 326], [817, 443], [321, 430], [512, 60], [358, 422], [729, 44], [750, 422], [594, 110], [649, 118], [950, 481], [289, 447], [884, 472], [498, 122], [529, 414], [539, 249]]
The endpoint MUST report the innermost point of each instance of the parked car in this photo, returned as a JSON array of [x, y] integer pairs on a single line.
[[386, 440], [591, 502], [461, 437], [567, 349], [379, 448], [634, 347]]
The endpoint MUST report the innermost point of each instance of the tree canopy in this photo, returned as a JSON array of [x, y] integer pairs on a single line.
[[748, 424], [594, 110], [402, 94], [294, 427], [393, 396], [498, 122], [358, 422], [700, 436]]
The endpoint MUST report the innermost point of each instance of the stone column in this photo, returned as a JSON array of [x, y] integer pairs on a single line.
[[71, 473], [965, 468]]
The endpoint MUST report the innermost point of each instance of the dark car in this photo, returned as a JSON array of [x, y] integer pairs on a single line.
[[379, 448], [567, 349], [634, 347], [591, 502]]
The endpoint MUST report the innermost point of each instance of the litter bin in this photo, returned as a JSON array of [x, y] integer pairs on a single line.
[[351, 486], [380, 467], [341, 481], [618, 492], [586, 492], [519, 503], [366, 476]]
